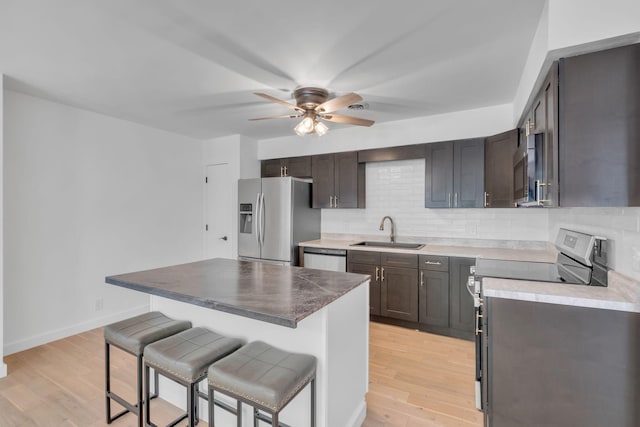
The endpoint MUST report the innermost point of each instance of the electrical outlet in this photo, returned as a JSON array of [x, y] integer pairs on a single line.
[[99, 304]]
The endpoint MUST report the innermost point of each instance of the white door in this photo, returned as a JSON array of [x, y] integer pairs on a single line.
[[220, 211]]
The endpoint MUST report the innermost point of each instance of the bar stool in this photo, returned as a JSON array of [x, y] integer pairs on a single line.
[[132, 336], [264, 377], [184, 358]]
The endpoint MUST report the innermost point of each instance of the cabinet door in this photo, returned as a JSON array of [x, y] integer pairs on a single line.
[[468, 173], [399, 293], [549, 97], [433, 307], [461, 302], [498, 169], [271, 168], [600, 128], [322, 169], [374, 284], [299, 167], [346, 179], [438, 175]]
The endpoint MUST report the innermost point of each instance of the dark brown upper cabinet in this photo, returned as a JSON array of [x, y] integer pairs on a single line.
[[298, 167], [454, 174], [498, 169], [599, 113], [535, 178], [338, 181], [403, 152]]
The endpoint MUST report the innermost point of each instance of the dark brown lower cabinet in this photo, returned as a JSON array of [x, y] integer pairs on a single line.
[[399, 292], [393, 289], [374, 284], [557, 365], [427, 292], [462, 313], [445, 305], [434, 298]]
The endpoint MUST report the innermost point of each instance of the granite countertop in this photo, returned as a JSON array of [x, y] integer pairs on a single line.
[[271, 293], [513, 254], [622, 293]]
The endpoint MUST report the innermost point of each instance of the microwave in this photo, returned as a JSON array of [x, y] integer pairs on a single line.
[[530, 187]]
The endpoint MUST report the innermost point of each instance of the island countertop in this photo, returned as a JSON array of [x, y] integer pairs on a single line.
[[271, 293]]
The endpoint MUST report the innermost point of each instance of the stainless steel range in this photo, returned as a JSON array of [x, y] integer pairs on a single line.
[[582, 260]]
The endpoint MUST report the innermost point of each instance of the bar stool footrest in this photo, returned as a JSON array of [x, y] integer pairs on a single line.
[[267, 419]]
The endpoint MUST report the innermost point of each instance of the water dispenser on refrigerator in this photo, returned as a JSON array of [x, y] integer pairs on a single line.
[[246, 218]]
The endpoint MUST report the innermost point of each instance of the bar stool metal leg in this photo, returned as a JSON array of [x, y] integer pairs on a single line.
[[109, 395], [313, 402]]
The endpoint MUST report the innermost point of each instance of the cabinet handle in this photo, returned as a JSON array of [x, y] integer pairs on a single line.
[[281, 171], [433, 262], [286, 172], [449, 199], [335, 201], [422, 279], [377, 273], [478, 317], [486, 199], [383, 274], [455, 200], [330, 201]]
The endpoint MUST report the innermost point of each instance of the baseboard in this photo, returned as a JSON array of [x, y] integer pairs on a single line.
[[3, 370], [358, 415], [49, 336]]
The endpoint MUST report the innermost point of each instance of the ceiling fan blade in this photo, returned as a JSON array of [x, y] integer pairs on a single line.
[[338, 103], [286, 116], [279, 101], [350, 120]]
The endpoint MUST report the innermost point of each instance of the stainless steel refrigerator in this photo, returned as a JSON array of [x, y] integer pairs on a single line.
[[274, 216]]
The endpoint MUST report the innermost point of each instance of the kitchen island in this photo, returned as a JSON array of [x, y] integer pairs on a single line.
[[301, 310]]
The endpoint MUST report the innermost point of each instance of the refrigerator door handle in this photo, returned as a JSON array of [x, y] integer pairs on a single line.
[[257, 219], [262, 223]]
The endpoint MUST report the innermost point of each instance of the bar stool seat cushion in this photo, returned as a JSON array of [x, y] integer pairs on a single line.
[[263, 374], [135, 333], [187, 355]]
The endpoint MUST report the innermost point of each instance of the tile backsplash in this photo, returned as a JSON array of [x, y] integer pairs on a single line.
[[397, 189]]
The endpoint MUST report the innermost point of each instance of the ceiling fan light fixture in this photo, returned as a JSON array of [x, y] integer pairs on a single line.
[[321, 128], [306, 126], [312, 104]]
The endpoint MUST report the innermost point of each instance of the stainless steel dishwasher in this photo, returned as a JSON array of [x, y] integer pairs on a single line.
[[325, 259]]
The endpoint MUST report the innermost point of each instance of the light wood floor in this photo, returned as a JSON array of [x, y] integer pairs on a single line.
[[416, 379]]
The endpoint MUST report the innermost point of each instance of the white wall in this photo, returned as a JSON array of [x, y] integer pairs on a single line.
[[575, 22], [442, 127], [87, 196], [397, 189], [571, 27], [3, 366], [240, 153]]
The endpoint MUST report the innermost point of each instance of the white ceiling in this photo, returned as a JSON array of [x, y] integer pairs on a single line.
[[191, 67]]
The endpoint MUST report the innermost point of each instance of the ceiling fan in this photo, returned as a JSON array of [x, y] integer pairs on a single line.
[[313, 104]]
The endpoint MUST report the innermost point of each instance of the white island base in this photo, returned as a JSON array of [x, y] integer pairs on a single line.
[[338, 335]]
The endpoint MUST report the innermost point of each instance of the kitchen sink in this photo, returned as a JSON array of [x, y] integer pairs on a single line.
[[390, 245]]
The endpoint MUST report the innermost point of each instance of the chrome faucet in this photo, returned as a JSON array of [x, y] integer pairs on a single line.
[[393, 229]]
